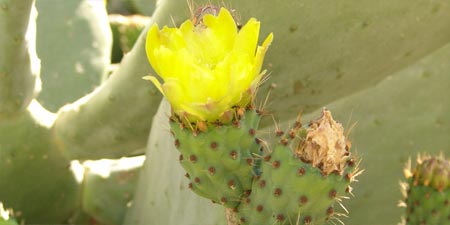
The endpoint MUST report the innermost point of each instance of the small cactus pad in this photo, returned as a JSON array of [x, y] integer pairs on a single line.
[[219, 158], [303, 179], [427, 192]]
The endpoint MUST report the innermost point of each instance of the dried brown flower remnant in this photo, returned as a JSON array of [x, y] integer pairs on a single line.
[[325, 145]]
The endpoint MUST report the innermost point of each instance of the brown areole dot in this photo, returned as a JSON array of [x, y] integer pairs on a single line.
[[258, 141], [330, 211], [348, 177], [277, 192], [301, 171], [262, 183], [223, 200], [347, 189], [434, 212], [233, 154], [190, 185], [231, 184], [351, 162], [250, 161], [279, 133], [307, 220], [214, 145], [181, 157], [267, 158], [252, 132], [303, 200], [177, 143], [212, 170], [284, 141], [332, 194], [276, 164], [197, 180], [193, 158], [292, 134], [259, 208], [187, 175], [280, 217]]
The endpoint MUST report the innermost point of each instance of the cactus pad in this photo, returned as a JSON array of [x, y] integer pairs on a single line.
[[304, 178], [219, 160]]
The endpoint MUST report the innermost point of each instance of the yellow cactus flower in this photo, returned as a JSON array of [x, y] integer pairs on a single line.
[[209, 68]]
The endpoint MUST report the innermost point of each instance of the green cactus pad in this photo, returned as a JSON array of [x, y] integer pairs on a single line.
[[427, 192], [219, 162], [291, 190]]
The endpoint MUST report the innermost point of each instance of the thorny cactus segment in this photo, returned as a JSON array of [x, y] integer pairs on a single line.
[[219, 161], [431, 171], [325, 145], [207, 69], [295, 190], [427, 192]]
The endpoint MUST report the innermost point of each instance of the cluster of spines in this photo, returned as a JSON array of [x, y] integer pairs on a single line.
[[219, 158], [291, 190], [427, 191]]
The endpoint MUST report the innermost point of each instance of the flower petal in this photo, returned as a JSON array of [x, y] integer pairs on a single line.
[[247, 39], [223, 27], [152, 42], [155, 81], [261, 52]]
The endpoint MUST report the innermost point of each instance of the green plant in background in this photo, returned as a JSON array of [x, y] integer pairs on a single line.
[[5, 217], [427, 191], [385, 62]]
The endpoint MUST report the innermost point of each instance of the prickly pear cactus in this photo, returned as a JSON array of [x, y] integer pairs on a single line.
[[219, 162], [370, 91], [305, 177], [370, 62], [427, 191], [214, 120], [37, 179]]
